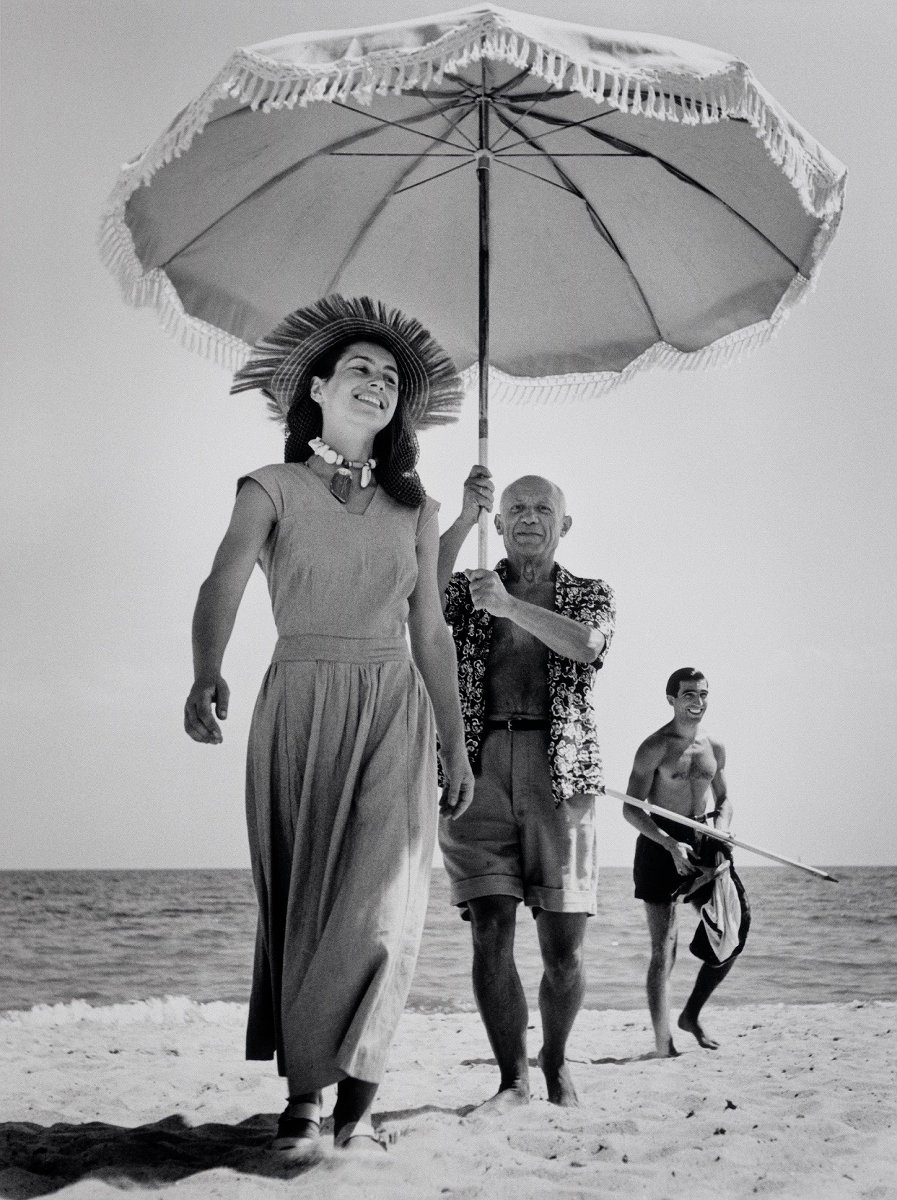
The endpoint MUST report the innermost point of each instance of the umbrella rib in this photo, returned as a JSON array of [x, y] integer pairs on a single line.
[[465, 154], [541, 178], [597, 223], [349, 140], [561, 128], [570, 186], [507, 132], [550, 93], [501, 88], [561, 154], [430, 178], [404, 126], [423, 95], [378, 209], [631, 151]]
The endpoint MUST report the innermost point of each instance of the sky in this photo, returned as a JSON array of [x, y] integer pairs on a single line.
[[744, 515]]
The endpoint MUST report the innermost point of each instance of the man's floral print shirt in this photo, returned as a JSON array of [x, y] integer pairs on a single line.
[[573, 752]]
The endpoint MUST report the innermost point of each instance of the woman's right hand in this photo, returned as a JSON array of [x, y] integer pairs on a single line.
[[458, 791], [198, 719]]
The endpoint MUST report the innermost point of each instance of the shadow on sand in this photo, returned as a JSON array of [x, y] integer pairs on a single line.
[[37, 1160]]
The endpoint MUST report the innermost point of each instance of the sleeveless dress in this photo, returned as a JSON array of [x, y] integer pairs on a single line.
[[340, 784]]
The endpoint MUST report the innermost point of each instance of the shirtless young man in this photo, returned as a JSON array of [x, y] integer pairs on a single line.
[[679, 767], [530, 637]]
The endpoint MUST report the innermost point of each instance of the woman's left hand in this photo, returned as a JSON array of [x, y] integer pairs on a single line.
[[458, 792]]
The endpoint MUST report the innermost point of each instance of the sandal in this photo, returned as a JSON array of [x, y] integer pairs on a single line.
[[298, 1130], [364, 1135]]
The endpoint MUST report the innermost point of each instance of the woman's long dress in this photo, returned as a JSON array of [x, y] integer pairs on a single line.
[[341, 785]]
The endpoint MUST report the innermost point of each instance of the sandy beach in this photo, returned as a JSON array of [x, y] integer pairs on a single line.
[[800, 1101]]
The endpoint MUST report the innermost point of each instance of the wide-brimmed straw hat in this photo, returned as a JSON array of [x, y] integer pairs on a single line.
[[430, 387]]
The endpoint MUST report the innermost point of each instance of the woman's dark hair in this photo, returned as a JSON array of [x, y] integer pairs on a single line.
[[395, 447]]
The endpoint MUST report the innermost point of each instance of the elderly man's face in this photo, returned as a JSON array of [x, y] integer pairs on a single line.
[[532, 519]]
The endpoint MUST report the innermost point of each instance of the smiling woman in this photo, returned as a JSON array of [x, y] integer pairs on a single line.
[[341, 776], [357, 392]]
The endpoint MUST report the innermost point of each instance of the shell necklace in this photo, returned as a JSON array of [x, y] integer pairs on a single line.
[[341, 480]]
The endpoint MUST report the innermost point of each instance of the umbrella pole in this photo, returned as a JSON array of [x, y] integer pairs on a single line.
[[484, 166], [710, 832]]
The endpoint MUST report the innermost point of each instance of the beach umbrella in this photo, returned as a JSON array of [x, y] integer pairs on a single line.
[[563, 206]]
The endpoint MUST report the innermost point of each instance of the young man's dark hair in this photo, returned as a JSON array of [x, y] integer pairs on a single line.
[[683, 675]]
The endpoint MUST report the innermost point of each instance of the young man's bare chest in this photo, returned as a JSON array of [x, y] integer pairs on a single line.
[[685, 773]]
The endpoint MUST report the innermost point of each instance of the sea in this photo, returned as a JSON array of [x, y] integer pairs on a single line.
[[106, 937]]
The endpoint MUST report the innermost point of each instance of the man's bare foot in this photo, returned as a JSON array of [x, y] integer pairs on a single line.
[[502, 1101], [667, 1051], [558, 1080], [693, 1026]]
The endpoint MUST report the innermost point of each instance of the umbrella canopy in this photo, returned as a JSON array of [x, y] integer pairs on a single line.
[[568, 205]]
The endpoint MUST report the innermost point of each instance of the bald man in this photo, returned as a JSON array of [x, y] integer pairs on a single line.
[[530, 638]]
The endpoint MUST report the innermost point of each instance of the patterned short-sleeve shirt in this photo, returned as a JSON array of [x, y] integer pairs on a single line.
[[573, 751]]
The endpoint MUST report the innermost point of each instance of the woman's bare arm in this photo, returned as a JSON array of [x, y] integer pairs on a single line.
[[216, 609], [434, 653]]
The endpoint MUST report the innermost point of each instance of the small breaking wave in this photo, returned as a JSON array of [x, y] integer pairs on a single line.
[[155, 1010]]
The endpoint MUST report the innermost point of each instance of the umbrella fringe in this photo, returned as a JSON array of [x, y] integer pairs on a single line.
[[261, 82], [153, 288], [729, 349]]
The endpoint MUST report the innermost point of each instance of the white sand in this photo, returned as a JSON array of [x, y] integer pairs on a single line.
[[800, 1101]]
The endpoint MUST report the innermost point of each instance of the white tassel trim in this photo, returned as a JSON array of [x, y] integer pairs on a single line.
[[260, 82], [263, 83], [563, 389], [155, 290]]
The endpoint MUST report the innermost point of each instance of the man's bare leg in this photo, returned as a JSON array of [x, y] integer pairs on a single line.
[[560, 997], [708, 980], [499, 995], [663, 928]]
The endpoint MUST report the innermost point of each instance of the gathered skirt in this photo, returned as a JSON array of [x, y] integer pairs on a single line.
[[341, 812]]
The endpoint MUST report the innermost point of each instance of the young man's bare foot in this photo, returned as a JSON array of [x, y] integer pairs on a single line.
[[693, 1026], [558, 1080], [507, 1098]]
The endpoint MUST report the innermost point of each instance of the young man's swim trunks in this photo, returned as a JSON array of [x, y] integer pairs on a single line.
[[654, 873], [658, 882]]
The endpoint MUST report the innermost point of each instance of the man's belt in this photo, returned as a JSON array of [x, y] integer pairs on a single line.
[[518, 724]]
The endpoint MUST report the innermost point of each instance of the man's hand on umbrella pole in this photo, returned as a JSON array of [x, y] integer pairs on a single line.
[[479, 493], [487, 591]]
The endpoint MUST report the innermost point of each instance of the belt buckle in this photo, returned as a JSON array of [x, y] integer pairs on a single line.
[[510, 724]]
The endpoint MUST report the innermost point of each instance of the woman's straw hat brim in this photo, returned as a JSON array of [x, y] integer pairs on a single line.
[[282, 362]]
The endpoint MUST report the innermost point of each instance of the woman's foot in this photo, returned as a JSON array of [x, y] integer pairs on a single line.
[[361, 1136], [298, 1130]]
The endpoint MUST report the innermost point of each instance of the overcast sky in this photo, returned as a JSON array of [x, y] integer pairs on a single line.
[[744, 515]]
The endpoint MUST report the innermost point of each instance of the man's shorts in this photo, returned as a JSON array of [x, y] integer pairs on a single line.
[[513, 840]]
